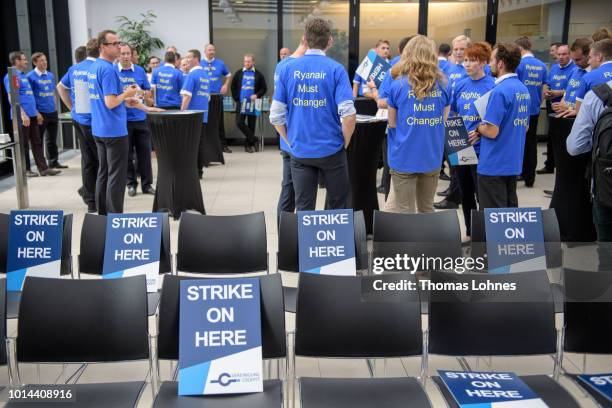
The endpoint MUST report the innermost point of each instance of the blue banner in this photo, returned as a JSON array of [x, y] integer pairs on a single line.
[[515, 239], [373, 68], [458, 148], [327, 242], [133, 243], [489, 389], [601, 383], [220, 337], [34, 246]]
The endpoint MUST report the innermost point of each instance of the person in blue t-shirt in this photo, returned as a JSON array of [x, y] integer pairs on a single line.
[[362, 87], [600, 59], [167, 81], [580, 50], [286, 200], [30, 118], [139, 135], [532, 73], [475, 85], [196, 96], [444, 51], [220, 79], [109, 124], [43, 85], [502, 131], [418, 100], [74, 92], [312, 95]]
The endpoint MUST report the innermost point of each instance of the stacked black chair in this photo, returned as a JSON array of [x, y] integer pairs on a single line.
[[273, 347], [588, 318], [105, 321], [497, 323], [333, 321], [3, 332], [287, 257], [91, 253], [213, 244]]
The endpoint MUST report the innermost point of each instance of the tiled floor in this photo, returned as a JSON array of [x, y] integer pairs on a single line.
[[251, 183]]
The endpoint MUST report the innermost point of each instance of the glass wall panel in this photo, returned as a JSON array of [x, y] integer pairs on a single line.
[[389, 20], [588, 15], [448, 19], [540, 20], [296, 12]]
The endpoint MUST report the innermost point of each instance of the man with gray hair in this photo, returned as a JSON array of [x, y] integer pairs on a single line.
[[219, 77], [312, 95]]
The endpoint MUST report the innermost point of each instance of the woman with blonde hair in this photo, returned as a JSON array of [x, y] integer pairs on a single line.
[[418, 101]]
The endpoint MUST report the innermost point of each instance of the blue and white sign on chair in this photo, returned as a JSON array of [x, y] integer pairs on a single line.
[[601, 383]]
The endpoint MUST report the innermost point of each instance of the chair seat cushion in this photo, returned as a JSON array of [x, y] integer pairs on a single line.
[[271, 397], [362, 393], [600, 399], [100, 395], [290, 295], [550, 391]]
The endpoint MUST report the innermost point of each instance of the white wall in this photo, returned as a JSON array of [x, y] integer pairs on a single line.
[[183, 23]]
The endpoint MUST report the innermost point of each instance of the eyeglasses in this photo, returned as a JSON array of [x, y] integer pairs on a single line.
[[114, 44]]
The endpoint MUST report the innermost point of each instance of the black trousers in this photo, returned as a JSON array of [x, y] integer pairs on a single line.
[[31, 136], [248, 128], [48, 133], [139, 137], [286, 200], [468, 180], [530, 156], [385, 181], [454, 188], [305, 175], [89, 161], [497, 191], [112, 173], [202, 150], [222, 138], [550, 152]]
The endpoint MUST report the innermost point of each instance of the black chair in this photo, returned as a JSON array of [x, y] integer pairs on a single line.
[[232, 244], [552, 237], [53, 310], [3, 356], [431, 234], [13, 298], [273, 347], [287, 257], [588, 318], [91, 252], [497, 322], [333, 321]]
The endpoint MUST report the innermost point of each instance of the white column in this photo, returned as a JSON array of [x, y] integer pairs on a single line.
[[79, 34]]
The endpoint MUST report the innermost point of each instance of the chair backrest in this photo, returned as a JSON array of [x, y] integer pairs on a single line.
[[588, 311], [3, 359], [334, 321], [93, 237], [66, 262], [552, 237], [273, 336], [90, 320], [288, 248], [222, 244], [493, 321], [431, 234]]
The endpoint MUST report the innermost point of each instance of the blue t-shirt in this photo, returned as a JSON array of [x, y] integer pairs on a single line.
[[596, 77], [283, 145], [417, 144], [77, 77], [558, 77], [532, 73], [462, 101], [168, 83], [135, 75], [572, 87], [357, 79], [312, 87], [196, 86], [26, 96], [383, 89], [43, 87], [247, 88], [443, 64], [508, 109], [455, 73], [104, 80], [217, 71]]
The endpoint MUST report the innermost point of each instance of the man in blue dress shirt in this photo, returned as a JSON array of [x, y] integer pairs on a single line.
[[219, 77], [43, 86]]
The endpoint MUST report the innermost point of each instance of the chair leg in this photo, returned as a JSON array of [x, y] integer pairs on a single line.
[[371, 363], [13, 364]]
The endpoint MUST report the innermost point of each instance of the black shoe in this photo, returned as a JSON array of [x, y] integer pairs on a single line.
[[149, 190], [50, 172], [249, 149], [545, 170], [58, 165], [444, 177], [131, 191], [226, 149], [30, 173], [443, 193], [548, 193], [81, 192], [446, 205], [91, 208], [520, 178], [529, 184], [381, 190]]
